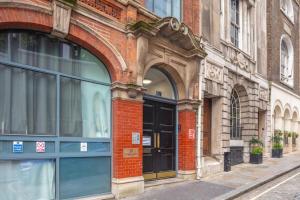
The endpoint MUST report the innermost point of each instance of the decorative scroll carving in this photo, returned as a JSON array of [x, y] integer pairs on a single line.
[[61, 19], [242, 62], [263, 94], [214, 73], [104, 6], [175, 31]]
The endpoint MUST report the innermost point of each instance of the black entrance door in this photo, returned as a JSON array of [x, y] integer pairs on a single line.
[[159, 141]]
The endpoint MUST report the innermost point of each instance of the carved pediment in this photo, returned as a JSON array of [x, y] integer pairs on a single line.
[[175, 32]]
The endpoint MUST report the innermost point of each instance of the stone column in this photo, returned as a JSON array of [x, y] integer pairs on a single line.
[[127, 109], [187, 140]]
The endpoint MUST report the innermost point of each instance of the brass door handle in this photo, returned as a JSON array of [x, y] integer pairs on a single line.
[[158, 140], [154, 139]]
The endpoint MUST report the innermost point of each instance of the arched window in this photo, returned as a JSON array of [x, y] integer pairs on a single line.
[[55, 118], [158, 84], [287, 8], [235, 120], [286, 61]]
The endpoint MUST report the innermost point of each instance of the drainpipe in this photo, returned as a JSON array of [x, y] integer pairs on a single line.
[[199, 123]]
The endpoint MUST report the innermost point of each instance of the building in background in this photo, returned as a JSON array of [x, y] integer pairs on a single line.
[[97, 96], [283, 68], [235, 90]]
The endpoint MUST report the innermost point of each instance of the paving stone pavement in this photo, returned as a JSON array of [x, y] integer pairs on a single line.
[[216, 185]]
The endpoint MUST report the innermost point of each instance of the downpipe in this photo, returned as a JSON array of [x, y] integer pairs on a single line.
[[199, 123]]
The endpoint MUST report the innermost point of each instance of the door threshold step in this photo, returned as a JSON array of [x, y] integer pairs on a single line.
[[159, 182]]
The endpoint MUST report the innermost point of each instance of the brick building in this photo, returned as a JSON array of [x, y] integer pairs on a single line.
[[97, 95], [283, 68]]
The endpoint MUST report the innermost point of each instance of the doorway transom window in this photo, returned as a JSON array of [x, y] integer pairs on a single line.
[[158, 84]]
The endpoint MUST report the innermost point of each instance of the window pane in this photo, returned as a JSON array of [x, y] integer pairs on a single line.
[[157, 83], [43, 51], [28, 105], [84, 176], [4, 47], [85, 109], [176, 9], [163, 8], [29, 179], [149, 5]]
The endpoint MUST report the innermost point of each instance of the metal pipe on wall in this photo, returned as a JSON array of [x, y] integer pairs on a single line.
[[199, 123]]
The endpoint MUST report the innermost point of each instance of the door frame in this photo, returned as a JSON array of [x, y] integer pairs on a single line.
[[173, 102]]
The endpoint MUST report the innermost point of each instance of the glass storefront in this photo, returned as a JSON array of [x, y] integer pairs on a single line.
[[55, 119]]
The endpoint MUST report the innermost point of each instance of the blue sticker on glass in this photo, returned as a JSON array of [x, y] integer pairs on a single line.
[[17, 146]]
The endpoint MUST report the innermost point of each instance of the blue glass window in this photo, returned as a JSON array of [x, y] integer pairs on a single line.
[[165, 8]]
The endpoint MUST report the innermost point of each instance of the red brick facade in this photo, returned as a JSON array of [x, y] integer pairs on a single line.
[[187, 140], [117, 49], [127, 118]]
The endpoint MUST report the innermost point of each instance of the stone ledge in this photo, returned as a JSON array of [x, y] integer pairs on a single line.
[[187, 175], [125, 187]]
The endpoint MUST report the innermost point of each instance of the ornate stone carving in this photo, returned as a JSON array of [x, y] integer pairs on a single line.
[[104, 6], [242, 62], [263, 94], [61, 18], [214, 73], [171, 29]]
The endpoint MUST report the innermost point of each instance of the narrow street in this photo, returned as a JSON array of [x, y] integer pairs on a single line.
[[285, 187], [221, 186]]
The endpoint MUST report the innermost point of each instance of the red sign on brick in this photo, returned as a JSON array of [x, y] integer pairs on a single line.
[[191, 134]]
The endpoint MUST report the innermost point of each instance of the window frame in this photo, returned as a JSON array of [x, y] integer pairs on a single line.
[[57, 155], [235, 24], [235, 105], [172, 11], [290, 62]]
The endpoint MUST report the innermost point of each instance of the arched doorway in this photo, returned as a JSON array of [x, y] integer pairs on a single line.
[[159, 126]]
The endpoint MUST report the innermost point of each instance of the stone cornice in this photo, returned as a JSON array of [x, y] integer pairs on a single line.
[[127, 91]]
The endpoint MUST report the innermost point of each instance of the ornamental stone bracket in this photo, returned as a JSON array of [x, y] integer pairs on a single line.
[[263, 94], [214, 72], [188, 104], [171, 29], [127, 91], [61, 18]]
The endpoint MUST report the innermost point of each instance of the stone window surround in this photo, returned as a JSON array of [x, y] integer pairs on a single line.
[[236, 143]]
